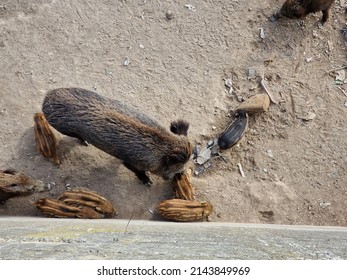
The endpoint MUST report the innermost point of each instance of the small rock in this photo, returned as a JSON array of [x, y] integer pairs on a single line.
[[213, 127], [190, 7], [309, 117], [255, 104], [330, 46], [340, 76], [169, 15], [269, 153], [251, 73], [228, 83], [324, 204], [308, 59], [261, 33], [273, 18], [240, 98], [126, 61]]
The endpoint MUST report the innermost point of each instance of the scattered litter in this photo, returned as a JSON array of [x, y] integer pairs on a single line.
[[142, 46], [346, 104], [213, 127], [190, 7], [324, 204], [269, 153], [126, 61], [207, 164], [308, 59], [199, 169], [204, 155], [340, 76], [210, 143], [229, 84], [241, 170], [261, 33]]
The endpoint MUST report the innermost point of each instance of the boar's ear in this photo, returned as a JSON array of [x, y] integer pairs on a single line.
[[177, 156], [179, 127]]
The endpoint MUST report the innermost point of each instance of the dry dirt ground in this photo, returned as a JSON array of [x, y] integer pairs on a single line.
[[295, 169]]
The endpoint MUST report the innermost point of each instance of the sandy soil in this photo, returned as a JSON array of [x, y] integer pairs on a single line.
[[295, 169]]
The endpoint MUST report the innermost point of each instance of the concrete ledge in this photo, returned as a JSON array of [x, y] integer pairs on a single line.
[[46, 238]]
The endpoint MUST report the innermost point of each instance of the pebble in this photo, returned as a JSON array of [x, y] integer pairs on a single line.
[[269, 153], [324, 204], [169, 15], [251, 73]]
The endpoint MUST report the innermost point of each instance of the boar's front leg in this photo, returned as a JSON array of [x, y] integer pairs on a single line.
[[139, 173]]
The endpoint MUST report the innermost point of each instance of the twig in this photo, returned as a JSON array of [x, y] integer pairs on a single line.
[[241, 170], [338, 68], [126, 228], [262, 83], [343, 91]]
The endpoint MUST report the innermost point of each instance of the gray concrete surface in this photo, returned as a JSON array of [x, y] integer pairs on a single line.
[[46, 238]]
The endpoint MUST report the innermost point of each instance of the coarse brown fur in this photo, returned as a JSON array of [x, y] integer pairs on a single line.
[[179, 127], [44, 138], [298, 9], [119, 130], [14, 183], [58, 209]]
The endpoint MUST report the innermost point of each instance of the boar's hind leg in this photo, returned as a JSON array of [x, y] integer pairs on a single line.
[[139, 173]]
